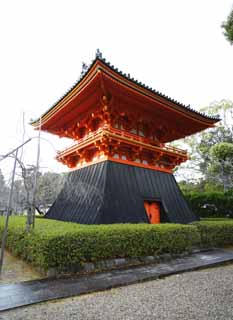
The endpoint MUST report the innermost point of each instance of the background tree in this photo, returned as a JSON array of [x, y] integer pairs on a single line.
[[199, 147], [49, 186], [210, 189], [3, 192], [220, 167], [19, 197], [228, 28]]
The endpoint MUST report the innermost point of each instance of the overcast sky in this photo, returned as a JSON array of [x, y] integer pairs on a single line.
[[176, 47]]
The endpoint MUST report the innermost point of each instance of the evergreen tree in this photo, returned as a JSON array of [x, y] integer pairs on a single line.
[[228, 28]]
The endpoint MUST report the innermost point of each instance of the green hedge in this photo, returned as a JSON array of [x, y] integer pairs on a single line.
[[215, 233], [210, 204], [61, 245]]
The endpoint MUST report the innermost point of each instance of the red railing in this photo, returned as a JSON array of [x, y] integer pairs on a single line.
[[122, 133]]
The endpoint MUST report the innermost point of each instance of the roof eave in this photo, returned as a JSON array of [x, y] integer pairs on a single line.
[[210, 119]]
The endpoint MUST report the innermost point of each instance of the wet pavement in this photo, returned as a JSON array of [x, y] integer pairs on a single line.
[[17, 270], [30, 292], [205, 294]]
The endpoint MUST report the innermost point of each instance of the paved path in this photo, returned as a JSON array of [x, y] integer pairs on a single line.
[[30, 292], [199, 295], [17, 270]]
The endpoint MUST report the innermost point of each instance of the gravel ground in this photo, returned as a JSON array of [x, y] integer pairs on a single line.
[[206, 294]]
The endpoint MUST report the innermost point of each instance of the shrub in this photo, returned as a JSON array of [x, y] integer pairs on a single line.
[[63, 245], [215, 233], [211, 204]]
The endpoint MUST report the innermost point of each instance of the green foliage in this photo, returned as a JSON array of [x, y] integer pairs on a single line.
[[212, 187], [222, 151], [221, 164], [201, 186], [63, 245], [204, 163], [211, 204], [215, 233], [228, 28], [216, 219]]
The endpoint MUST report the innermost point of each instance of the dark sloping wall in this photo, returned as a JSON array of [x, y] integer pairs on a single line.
[[110, 192], [81, 199]]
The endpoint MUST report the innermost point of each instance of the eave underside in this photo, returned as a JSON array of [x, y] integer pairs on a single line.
[[101, 81]]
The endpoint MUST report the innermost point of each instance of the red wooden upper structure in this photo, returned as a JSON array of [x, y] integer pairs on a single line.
[[111, 116]]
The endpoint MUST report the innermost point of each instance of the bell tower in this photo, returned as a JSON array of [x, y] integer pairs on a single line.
[[121, 161]]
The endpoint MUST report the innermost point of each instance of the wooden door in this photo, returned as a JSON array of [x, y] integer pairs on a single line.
[[153, 211]]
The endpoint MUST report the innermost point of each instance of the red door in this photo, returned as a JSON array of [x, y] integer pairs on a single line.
[[153, 211]]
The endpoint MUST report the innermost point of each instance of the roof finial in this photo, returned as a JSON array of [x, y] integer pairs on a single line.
[[98, 54], [84, 68]]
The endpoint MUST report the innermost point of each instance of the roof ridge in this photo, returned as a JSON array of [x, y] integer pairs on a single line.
[[99, 56]]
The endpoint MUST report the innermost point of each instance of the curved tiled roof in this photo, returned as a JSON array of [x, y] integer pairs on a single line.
[[133, 80]]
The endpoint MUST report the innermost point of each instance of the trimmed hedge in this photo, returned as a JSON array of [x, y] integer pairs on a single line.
[[62, 245], [210, 204], [215, 233]]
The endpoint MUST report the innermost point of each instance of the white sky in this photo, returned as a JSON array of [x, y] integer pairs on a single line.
[[177, 47]]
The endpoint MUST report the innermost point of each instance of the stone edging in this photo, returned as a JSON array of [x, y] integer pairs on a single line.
[[119, 263]]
